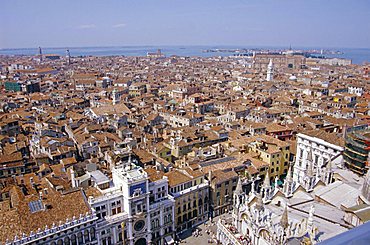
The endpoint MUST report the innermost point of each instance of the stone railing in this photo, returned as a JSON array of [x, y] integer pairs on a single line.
[[193, 188], [34, 236], [106, 196]]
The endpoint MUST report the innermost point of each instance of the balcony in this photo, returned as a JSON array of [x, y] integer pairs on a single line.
[[115, 218]]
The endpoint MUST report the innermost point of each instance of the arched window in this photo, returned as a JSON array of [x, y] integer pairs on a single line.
[[79, 238], [60, 242], [86, 236], [66, 240], [73, 239], [92, 233]]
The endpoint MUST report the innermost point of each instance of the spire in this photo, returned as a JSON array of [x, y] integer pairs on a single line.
[[289, 176], [266, 182], [239, 188], [284, 222]]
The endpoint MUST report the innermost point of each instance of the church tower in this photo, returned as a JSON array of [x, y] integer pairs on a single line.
[[40, 54], [68, 57], [270, 71]]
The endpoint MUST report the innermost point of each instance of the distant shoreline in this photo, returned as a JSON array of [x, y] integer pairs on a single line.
[[357, 55]]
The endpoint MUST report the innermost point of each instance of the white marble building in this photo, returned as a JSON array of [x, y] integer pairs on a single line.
[[134, 210], [308, 208], [314, 155]]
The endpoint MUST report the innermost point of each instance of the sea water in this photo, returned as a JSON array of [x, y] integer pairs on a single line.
[[357, 55]]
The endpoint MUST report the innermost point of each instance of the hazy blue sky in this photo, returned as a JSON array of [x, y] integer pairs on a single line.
[[313, 23]]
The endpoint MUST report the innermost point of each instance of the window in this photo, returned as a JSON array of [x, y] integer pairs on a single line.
[[86, 235]]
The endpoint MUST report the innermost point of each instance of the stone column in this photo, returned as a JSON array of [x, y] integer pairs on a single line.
[[130, 235], [114, 230]]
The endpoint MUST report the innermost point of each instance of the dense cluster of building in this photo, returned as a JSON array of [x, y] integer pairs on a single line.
[[137, 150]]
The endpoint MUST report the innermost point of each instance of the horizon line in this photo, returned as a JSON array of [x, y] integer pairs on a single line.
[[187, 45]]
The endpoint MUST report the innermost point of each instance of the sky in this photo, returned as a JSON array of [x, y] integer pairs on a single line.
[[80, 23]]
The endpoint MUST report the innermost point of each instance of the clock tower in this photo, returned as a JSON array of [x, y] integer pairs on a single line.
[[134, 184]]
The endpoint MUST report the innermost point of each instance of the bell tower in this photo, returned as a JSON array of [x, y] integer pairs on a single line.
[[270, 71]]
